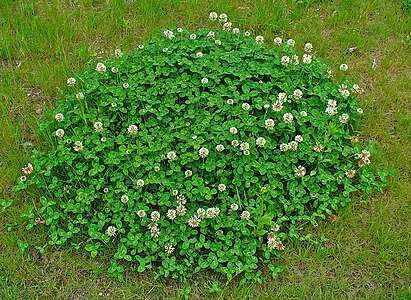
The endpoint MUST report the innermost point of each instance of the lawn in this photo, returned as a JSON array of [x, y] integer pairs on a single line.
[[366, 254]]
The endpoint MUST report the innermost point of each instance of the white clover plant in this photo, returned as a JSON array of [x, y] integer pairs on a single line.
[[209, 155]]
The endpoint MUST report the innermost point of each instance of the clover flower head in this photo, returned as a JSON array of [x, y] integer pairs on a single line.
[[27, 170], [285, 60], [180, 30], [259, 39], [118, 53], [78, 146], [171, 214], [126, 85], [124, 199], [236, 30], [230, 101], [141, 47], [111, 231], [181, 210], [169, 248], [194, 221], [171, 155], [235, 143], [220, 148], [141, 213], [350, 173], [227, 26], [269, 124], [201, 212], [245, 146], [98, 126], [155, 216], [114, 70], [245, 106], [211, 34], [278, 106], [233, 130], [181, 200], [203, 152], [234, 206], [204, 80], [23, 178], [293, 145], [295, 60], [291, 42], [101, 68], [307, 58], [284, 147], [298, 94], [217, 42], [80, 96], [155, 232], [188, 173], [360, 110], [344, 118], [222, 18], [345, 93], [247, 33], [71, 81], [59, 117], [282, 97], [60, 132], [343, 67], [308, 47], [165, 50], [169, 34], [300, 171], [278, 41], [245, 215], [193, 36], [260, 142], [222, 187], [213, 16], [298, 138], [303, 113], [288, 118], [157, 169], [271, 243], [140, 182], [318, 147], [132, 129], [199, 54]]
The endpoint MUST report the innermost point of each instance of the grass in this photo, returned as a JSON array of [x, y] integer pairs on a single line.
[[367, 254]]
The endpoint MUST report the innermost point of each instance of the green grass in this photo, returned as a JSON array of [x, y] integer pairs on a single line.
[[367, 255]]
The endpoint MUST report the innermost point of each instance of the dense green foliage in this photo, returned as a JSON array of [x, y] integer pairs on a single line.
[[199, 151]]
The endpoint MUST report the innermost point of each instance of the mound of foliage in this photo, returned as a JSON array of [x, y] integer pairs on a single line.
[[202, 150]]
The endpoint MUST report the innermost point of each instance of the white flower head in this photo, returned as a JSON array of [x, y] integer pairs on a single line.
[[111, 231], [169, 248], [118, 53], [71, 81], [171, 155], [204, 80], [288, 118], [227, 26], [308, 47], [188, 173], [194, 221], [101, 68], [307, 58], [300, 171], [169, 34], [78, 146], [199, 54], [141, 47], [234, 207], [59, 117], [203, 152], [259, 39], [245, 106], [230, 101], [293, 145], [278, 41], [217, 42], [235, 143], [80, 96], [213, 16], [155, 216], [165, 50], [201, 213], [60, 132], [344, 118], [345, 93], [181, 210], [124, 199], [126, 85], [140, 182], [211, 34], [180, 30], [269, 124], [303, 113], [98, 126], [343, 67], [245, 215], [233, 130], [299, 138], [220, 148], [222, 18], [298, 94], [171, 214], [114, 69], [132, 129], [141, 213], [295, 61], [245, 146], [282, 97], [360, 110], [284, 147], [193, 36], [285, 60], [260, 142], [291, 42], [222, 187], [236, 30]]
